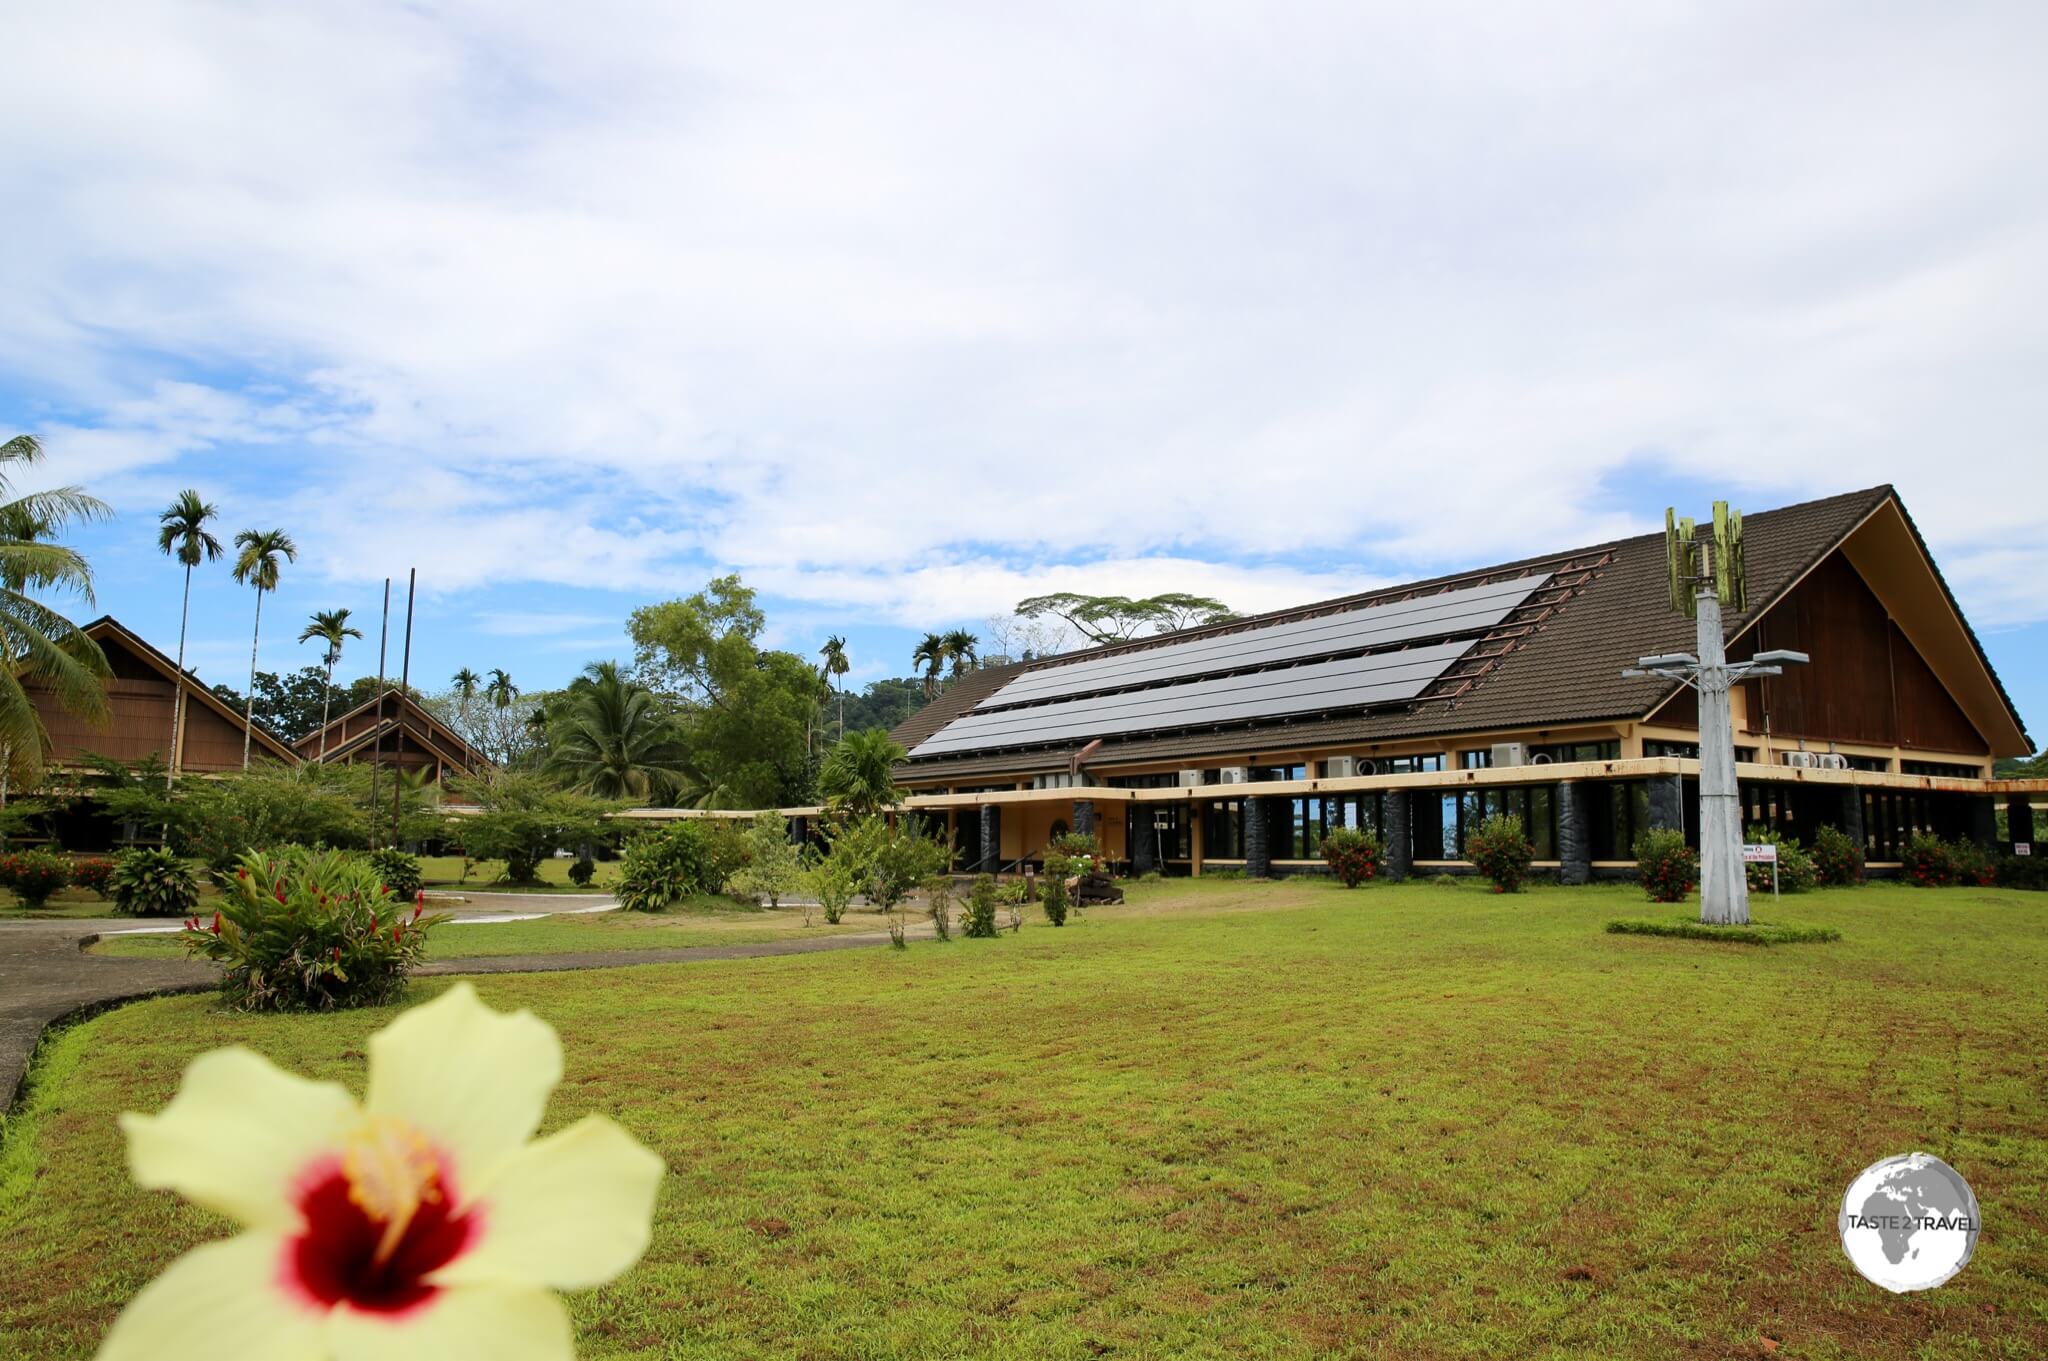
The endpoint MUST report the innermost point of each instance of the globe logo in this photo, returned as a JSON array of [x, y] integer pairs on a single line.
[[1909, 1222]]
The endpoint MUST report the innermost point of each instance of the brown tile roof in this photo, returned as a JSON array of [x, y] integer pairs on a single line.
[[1567, 672]]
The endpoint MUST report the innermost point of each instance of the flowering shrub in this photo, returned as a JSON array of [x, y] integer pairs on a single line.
[[400, 872], [1970, 864], [303, 930], [1500, 850], [1668, 867], [154, 883], [660, 869], [1796, 872], [1837, 860], [1354, 856], [2022, 871], [424, 1221], [1927, 862], [34, 875], [94, 872]]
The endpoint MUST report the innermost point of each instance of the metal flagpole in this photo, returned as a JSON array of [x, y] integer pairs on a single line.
[[377, 758]]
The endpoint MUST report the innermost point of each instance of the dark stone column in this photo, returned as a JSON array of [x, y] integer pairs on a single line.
[[1667, 802], [1574, 840], [798, 827], [1850, 818], [991, 838], [1084, 817], [1984, 821], [1258, 855], [1400, 846], [1139, 838], [2019, 820]]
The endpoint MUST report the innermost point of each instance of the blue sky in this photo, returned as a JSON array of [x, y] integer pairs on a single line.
[[905, 314]]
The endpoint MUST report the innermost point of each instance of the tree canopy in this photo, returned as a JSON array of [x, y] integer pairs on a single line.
[[1116, 618]]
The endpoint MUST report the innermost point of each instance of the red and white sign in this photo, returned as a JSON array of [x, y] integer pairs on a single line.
[[1766, 854]]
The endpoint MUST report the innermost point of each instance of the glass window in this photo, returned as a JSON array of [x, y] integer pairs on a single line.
[[1223, 830], [1689, 751], [1948, 768], [1481, 759]]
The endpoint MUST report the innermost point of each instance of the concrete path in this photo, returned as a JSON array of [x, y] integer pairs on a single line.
[[45, 974]]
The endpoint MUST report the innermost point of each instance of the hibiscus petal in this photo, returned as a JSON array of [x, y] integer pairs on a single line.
[[236, 1136], [466, 1323], [220, 1300], [471, 1079], [570, 1211]]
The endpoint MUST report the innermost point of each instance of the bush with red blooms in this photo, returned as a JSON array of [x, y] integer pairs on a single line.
[[34, 875], [1927, 861], [304, 930], [1354, 856], [1837, 859], [1667, 866], [1499, 849], [95, 872]]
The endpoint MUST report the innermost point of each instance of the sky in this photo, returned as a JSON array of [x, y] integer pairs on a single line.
[[905, 312]]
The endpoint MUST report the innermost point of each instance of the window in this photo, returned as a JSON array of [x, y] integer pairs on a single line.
[[1165, 779], [1059, 780], [1689, 751], [1481, 759], [1876, 763], [1278, 773], [1610, 750], [1952, 769], [1410, 765], [1223, 830], [1167, 824], [1535, 805], [1616, 814]]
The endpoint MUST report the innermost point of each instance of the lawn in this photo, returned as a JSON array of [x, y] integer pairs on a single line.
[[711, 925], [445, 871], [1231, 1120]]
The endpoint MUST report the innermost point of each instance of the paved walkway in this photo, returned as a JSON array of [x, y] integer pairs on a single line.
[[45, 975]]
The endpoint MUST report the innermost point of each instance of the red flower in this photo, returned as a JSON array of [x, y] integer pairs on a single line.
[[216, 923], [396, 932]]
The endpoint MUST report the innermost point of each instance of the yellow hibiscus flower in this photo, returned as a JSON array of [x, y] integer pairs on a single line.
[[424, 1223]]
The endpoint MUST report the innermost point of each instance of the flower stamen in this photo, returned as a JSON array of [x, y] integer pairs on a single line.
[[392, 1171]]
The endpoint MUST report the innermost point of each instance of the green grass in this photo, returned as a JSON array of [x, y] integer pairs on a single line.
[[1755, 933], [575, 934], [1228, 1120], [445, 871]]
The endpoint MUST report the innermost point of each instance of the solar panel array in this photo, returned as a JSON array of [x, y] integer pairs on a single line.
[[1353, 682], [1163, 687], [1472, 609]]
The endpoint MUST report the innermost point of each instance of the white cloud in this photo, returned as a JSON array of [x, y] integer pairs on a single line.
[[900, 308]]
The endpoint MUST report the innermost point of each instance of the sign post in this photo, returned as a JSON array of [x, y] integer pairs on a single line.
[[1765, 854]]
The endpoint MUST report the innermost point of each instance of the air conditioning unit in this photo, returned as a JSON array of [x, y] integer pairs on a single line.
[[1234, 775], [1800, 760], [1541, 758], [1190, 779], [1831, 760], [1510, 754], [1340, 767]]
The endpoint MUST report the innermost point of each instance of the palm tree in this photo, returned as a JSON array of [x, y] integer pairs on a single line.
[[858, 776], [611, 739], [182, 535], [836, 665], [37, 644], [931, 655], [501, 691], [960, 647], [466, 684], [258, 565], [330, 627]]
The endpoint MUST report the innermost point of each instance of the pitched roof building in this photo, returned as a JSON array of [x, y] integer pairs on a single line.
[[394, 731], [1421, 708]]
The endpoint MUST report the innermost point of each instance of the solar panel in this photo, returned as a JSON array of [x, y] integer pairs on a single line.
[[1472, 609], [1352, 682]]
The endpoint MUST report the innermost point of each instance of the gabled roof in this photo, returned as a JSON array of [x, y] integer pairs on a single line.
[[1564, 670], [411, 717], [106, 627]]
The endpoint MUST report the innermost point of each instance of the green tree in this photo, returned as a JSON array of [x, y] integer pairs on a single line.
[[261, 559], [961, 645], [288, 706], [859, 774], [883, 703], [524, 819], [774, 867], [182, 534], [467, 683], [331, 627], [930, 654], [1116, 618], [500, 691], [611, 738], [41, 646], [835, 668]]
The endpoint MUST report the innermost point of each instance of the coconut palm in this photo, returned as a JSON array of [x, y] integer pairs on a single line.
[[262, 555], [836, 666], [610, 739], [960, 649], [858, 776], [931, 655], [330, 627], [500, 691], [38, 645], [182, 534]]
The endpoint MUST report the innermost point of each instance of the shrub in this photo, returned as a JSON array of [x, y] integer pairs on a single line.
[[215, 820], [726, 853], [582, 872], [773, 866], [304, 930], [1052, 895], [1354, 856], [1837, 860], [524, 821], [1927, 862], [833, 883], [1669, 868], [1796, 872], [886, 862], [399, 871], [938, 900], [1970, 864], [94, 872], [1501, 850], [154, 883], [1444, 879], [2029, 872], [34, 875], [1754, 934], [979, 922], [661, 868]]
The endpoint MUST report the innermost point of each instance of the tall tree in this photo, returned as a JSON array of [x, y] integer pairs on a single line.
[[859, 774], [610, 738], [466, 683], [501, 691], [960, 650], [182, 534], [261, 559], [37, 644], [330, 627], [931, 655], [836, 666]]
